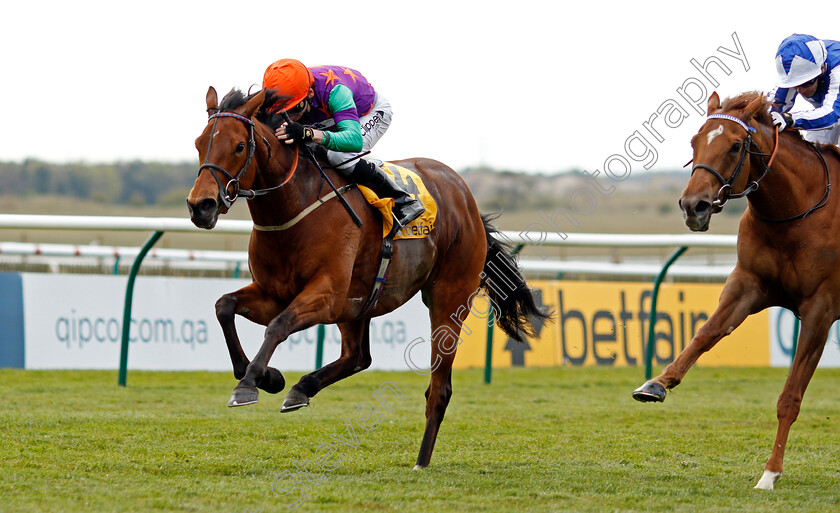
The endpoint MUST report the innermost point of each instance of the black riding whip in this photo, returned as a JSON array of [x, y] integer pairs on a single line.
[[353, 215]]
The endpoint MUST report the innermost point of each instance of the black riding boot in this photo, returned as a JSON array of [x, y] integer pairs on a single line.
[[406, 208]]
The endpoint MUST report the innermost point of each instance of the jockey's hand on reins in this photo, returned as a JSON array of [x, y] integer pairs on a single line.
[[781, 119], [294, 132]]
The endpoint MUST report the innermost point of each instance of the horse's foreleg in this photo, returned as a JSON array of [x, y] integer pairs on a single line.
[[316, 304], [355, 357], [226, 313], [253, 304], [740, 298], [816, 323]]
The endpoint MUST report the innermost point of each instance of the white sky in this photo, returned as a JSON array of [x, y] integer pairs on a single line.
[[527, 85]]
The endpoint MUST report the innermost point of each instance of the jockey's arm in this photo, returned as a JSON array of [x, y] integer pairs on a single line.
[[348, 136], [827, 114], [782, 98]]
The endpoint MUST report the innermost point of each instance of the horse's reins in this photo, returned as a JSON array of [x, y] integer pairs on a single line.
[[227, 194], [725, 194], [353, 214], [823, 201]]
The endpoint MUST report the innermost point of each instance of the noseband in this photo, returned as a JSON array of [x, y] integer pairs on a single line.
[[228, 193], [725, 192]]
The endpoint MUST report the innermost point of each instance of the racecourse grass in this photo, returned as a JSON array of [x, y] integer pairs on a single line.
[[562, 439]]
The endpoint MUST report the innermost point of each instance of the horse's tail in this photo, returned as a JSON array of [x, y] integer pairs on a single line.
[[511, 298]]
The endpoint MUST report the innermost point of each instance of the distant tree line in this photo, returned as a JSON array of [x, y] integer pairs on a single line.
[[139, 183], [132, 183]]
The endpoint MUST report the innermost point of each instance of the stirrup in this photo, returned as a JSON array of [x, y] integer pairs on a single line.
[[414, 210]]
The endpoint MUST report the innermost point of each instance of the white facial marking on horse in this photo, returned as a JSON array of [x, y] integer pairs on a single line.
[[714, 133], [217, 132]]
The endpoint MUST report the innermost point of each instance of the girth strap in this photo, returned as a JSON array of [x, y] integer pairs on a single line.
[[385, 257]]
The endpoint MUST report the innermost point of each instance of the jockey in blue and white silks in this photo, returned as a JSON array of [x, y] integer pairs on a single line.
[[808, 67]]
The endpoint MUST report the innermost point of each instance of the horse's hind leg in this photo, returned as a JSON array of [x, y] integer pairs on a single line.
[[254, 305], [355, 357], [445, 339], [741, 297], [816, 323], [445, 300]]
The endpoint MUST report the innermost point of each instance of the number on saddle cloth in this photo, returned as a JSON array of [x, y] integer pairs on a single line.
[[413, 184]]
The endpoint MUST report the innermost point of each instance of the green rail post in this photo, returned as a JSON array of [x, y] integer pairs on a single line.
[[651, 332], [129, 293], [319, 346], [116, 266], [488, 359]]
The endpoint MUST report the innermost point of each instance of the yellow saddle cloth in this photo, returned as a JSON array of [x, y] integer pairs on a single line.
[[413, 184]]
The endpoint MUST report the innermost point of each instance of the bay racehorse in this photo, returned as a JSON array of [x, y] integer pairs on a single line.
[[311, 264], [788, 242]]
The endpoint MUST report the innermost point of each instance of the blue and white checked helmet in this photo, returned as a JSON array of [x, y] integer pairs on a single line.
[[799, 59]]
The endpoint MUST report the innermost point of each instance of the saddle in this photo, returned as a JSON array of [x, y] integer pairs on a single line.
[[412, 184]]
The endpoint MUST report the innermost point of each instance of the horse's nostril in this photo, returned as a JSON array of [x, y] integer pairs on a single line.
[[206, 206], [702, 207]]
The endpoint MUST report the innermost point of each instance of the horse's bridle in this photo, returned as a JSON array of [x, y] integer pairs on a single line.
[[228, 193], [725, 192]]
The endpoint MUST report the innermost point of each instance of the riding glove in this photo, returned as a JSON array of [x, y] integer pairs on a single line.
[[298, 132], [781, 119]]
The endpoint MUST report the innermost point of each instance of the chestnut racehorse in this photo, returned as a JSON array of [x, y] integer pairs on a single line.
[[788, 242], [316, 266]]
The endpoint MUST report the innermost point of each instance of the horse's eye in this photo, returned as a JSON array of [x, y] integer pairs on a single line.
[[736, 147], [240, 148]]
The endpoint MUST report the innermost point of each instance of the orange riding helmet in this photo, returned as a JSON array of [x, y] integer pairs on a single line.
[[289, 77]]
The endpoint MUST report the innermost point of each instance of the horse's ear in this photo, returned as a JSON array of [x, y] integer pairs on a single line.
[[752, 108], [713, 103], [212, 101], [249, 109]]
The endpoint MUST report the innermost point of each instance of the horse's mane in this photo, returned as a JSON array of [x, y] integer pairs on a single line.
[[235, 99], [741, 101]]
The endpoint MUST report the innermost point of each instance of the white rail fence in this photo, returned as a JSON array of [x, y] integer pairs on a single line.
[[533, 239], [540, 266]]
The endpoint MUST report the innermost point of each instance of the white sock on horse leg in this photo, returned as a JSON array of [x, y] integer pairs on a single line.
[[768, 479]]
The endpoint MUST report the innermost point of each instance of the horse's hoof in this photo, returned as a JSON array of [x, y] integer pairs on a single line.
[[651, 391], [418, 467], [295, 400], [272, 381], [768, 479], [243, 397]]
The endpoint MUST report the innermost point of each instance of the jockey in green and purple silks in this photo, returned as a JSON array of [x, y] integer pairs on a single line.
[[343, 113]]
